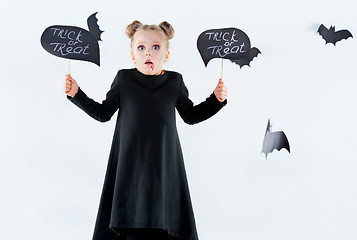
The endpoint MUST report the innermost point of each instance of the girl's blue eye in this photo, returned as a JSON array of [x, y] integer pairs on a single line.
[[156, 47], [141, 47]]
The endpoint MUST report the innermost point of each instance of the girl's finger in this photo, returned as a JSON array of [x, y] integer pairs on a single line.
[[68, 77]]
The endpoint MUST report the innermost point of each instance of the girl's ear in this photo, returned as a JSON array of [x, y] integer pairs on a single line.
[[133, 57], [167, 56]]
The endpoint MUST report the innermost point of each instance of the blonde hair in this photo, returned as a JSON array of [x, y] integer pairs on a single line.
[[164, 28]]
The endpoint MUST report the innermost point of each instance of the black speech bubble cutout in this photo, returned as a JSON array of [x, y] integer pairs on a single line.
[[72, 42], [227, 43]]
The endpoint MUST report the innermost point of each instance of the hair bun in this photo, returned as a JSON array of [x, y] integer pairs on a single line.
[[132, 28], [167, 29]]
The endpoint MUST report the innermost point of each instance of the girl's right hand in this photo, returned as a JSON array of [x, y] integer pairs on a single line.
[[221, 91], [70, 86]]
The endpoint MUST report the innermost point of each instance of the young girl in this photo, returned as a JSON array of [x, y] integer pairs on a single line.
[[145, 193]]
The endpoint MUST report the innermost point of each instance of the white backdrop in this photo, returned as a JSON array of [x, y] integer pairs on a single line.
[[53, 156]]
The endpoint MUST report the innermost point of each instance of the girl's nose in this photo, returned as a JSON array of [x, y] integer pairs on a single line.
[[147, 53]]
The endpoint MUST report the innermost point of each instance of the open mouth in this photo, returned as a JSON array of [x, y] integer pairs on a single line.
[[149, 63]]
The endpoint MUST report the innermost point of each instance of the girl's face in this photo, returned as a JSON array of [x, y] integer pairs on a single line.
[[149, 52]]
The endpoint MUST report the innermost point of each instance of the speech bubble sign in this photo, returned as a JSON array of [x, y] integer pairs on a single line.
[[71, 43], [228, 43]]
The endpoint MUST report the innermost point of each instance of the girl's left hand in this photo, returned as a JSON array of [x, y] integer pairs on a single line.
[[221, 91]]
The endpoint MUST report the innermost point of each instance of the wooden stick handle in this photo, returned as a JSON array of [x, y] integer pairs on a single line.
[[222, 70]]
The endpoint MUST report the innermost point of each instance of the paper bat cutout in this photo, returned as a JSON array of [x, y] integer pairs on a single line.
[[331, 36], [246, 61], [73, 42], [274, 140]]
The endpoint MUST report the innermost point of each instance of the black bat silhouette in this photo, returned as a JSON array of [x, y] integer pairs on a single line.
[[73, 42], [253, 52], [274, 140], [93, 27], [331, 36]]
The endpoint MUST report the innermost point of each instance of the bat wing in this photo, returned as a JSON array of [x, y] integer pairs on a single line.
[[275, 140], [246, 61], [343, 34], [92, 22], [280, 141], [323, 31], [267, 144]]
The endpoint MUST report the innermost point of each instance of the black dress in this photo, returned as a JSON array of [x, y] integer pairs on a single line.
[[145, 184]]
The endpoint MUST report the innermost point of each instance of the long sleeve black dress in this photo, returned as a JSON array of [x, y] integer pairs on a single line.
[[145, 184]]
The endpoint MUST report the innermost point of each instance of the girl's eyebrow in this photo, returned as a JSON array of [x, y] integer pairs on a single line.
[[144, 42]]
